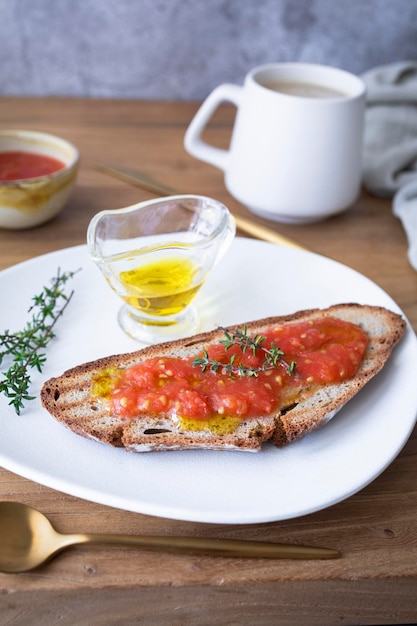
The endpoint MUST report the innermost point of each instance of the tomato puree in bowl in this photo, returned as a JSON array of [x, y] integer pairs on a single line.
[[19, 165]]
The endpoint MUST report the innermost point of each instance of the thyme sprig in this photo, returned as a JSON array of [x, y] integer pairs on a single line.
[[273, 356], [26, 348]]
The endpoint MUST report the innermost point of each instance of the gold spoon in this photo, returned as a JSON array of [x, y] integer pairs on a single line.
[[139, 179], [28, 539]]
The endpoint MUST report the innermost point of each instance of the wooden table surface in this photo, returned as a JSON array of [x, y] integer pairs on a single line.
[[375, 581]]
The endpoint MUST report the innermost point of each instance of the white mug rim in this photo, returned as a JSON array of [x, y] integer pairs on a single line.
[[342, 80]]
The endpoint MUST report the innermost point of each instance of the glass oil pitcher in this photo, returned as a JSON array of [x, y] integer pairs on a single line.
[[156, 255]]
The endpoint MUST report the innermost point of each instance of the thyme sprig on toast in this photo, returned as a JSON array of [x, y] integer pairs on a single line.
[[273, 356], [26, 348]]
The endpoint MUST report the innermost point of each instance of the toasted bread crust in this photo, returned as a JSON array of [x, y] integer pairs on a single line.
[[68, 397]]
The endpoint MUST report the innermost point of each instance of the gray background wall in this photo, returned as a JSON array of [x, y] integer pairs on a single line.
[[181, 49]]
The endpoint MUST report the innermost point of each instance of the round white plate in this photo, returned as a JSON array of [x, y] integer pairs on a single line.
[[254, 280]]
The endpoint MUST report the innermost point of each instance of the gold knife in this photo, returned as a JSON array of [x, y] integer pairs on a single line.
[[139, 179]]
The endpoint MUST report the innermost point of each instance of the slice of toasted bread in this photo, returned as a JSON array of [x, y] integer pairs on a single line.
[[68, 397]]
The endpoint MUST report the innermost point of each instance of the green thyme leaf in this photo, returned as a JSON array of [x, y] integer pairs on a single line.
[[25, 348], [273, 356]]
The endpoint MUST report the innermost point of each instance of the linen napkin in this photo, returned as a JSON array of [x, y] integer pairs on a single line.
[[390, 142], [405, 208]]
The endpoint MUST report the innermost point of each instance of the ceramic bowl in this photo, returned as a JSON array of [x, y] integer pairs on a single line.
[[28, 202]]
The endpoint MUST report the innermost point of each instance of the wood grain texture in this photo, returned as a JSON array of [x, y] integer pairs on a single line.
[[375, 581]]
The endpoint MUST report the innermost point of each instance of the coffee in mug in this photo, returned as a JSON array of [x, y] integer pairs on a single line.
[[305, 90], [296, 146]]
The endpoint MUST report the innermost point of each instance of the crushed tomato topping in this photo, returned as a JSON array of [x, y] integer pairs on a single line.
[[325, 350]]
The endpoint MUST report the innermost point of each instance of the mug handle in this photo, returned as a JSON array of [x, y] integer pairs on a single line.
[[192, 140]]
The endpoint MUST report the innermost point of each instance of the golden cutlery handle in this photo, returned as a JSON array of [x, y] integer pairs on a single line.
[[261, 232], [135, 178], [213, 547], [140, 180]]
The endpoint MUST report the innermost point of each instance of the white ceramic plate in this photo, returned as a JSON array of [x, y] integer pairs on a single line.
[[254, 280]]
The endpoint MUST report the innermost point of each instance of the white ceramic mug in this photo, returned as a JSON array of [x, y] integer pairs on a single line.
[[296, 147]]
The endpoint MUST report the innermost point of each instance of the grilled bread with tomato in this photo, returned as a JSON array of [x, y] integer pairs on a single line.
[[273, 380]]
